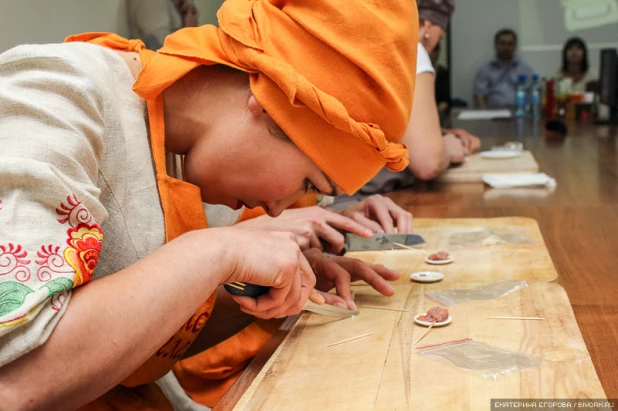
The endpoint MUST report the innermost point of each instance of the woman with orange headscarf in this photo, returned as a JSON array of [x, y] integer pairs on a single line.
[[107, 273]]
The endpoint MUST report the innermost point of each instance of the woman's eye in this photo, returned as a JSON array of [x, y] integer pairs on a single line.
[[309, 186]]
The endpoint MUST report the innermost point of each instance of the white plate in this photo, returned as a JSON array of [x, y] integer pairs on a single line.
[[427, 324], [440, 262], [427, 276], [497, 154]]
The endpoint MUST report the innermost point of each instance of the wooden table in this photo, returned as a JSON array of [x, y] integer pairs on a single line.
[[578, 220]]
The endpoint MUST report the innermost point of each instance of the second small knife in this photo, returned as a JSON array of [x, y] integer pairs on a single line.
[[254, 291]]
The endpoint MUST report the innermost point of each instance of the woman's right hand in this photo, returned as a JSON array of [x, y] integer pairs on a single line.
[[470, 142], [311, 225], [271, 259]]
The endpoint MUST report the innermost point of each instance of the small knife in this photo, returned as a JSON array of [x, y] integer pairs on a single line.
[[254, 291], [354, 242]]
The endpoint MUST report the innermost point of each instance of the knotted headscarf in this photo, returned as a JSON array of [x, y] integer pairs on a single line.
[[336, 76]]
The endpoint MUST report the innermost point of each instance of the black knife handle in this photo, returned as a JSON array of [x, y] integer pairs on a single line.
[[246, 290]]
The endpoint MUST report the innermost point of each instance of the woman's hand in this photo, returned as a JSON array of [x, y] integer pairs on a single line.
[[455, 149], [310, 225], [339, 272], [271, 259], [471, 143], [380, 214]]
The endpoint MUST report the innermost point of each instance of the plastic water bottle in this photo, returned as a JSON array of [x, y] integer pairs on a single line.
[[535, 97], [521, 97]]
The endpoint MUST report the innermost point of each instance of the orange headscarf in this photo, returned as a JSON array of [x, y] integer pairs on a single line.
[[336, 76]]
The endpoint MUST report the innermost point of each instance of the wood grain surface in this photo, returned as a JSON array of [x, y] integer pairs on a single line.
[[476, 166], [484, 250], [578, 219], [383, 371]]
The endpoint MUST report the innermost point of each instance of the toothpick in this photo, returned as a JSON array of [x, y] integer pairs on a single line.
[[375, 307], [424, 334], [350, 339], [516, 318], [236, 286], [409, 248]]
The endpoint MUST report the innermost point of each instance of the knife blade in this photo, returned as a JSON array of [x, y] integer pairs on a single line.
[[254, 291], [381, 241]]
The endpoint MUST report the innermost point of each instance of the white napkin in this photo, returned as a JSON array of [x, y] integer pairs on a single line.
[[518, 180]]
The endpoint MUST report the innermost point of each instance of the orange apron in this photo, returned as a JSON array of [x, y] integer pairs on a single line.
[[183, 212], [207, 376]]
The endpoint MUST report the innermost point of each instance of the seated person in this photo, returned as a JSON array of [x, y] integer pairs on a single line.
[[575, 65], [496, 81]]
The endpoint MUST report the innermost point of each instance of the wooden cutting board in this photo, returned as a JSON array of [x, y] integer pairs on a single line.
[[484, 249], [383, 371], [475, 166]]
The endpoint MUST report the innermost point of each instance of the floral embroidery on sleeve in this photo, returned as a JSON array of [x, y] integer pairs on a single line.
[[59, 270], [84, 239], [13, 293]]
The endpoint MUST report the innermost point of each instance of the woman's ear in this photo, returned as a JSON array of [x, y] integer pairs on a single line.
[[423, 28], [255, 107]]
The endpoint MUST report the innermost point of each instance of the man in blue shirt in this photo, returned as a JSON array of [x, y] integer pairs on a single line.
[[496, 81]]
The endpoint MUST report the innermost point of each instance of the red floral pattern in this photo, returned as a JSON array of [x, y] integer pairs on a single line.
[[74, 213], [58, 270], [51, 263], [13, 261], [83, 252], [57, 301], [85, 239]]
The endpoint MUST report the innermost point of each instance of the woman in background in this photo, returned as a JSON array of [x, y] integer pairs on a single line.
[[575, 65], [431, 150]]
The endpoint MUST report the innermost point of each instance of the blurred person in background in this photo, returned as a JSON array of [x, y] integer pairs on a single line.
[[431, 150], [153, 20], [575, 65], [496, 81]]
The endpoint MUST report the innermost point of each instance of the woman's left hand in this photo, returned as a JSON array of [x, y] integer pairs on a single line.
[[471, 143], [380, 214], [339, 272]]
